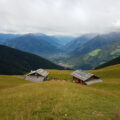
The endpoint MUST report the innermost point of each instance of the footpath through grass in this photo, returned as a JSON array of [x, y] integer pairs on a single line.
[[60, 100]]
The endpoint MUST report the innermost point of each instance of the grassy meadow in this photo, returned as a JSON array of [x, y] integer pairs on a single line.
[[59, 98]]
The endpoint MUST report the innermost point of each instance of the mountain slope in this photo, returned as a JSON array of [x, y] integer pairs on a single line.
[[97, 56], [13, 61], [78, 42], [96, 43], [68, 48], [63, 40], [38, 44], [5, 37], [90, 53], [109, 63]]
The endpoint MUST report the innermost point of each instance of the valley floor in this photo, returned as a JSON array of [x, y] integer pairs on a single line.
[[60, 99]]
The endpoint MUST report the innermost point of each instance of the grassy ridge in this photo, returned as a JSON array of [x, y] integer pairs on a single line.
[[109, 63], [60, 100], [111, 77]]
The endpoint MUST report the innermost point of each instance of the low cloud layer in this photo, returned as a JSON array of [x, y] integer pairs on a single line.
[[60, 17]]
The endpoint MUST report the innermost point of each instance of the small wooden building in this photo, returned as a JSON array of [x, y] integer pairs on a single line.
[[37, 75], [85, 78]]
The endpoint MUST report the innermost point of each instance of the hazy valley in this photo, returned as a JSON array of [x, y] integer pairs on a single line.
[[74, 52]]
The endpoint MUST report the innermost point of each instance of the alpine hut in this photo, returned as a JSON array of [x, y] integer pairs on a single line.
[[85, 78], [37, 75]]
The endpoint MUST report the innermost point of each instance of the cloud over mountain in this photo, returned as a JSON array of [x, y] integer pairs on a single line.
[[66, 17]]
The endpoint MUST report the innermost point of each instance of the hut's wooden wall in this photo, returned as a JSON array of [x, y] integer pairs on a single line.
[[78, 80]]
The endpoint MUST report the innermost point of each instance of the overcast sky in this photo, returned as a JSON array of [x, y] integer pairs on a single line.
[[59, 17]]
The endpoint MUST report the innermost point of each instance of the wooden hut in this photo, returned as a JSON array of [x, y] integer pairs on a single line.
[[85, 78], [37, 75]]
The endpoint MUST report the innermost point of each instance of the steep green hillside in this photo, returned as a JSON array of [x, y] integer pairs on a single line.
[[109, 63], [96, 57], [87, 53], [13, 61], [96, 43], [60, 100]]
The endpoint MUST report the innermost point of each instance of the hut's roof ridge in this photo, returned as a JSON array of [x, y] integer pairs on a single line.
[[82, 75], [40, 72]]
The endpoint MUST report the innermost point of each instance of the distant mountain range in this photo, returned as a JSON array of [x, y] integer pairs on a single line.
[[109, 63], [83, 52], [77, 43], [38, 44], [96, 51], [13, 61], [63, 40], [88, 52], [95, 43], [5, 37]]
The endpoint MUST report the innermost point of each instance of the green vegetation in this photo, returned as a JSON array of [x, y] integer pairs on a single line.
[[97, 56], [94, 52], [60, 100], [14, 62], [7, 81], [60, 75], [111, 77], [109, 63], [115, 51]]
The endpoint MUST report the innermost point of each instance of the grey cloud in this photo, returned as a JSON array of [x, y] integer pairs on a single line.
[[65, 17]]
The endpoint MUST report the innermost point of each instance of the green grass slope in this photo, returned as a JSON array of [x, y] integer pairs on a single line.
[[96, 57], [13, 61], [109, 63], [60, 100]]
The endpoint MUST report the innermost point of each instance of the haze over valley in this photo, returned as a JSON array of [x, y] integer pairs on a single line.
[[71, 52]]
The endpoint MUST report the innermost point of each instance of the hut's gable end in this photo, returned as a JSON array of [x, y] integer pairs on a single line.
[[35, 78]]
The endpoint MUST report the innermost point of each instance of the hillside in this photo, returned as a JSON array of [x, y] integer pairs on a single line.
[[96, 57], [60, 100], [6, 37], [109, 63], [84, 52], [38, 44], [78, 42], [92, 53], [96, 43], [13, 61], [63, 40]]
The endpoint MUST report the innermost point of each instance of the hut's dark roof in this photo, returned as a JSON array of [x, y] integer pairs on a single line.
[[40, 72], [82, 75]]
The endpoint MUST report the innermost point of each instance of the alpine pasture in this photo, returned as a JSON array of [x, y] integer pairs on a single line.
[[60, 98]]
